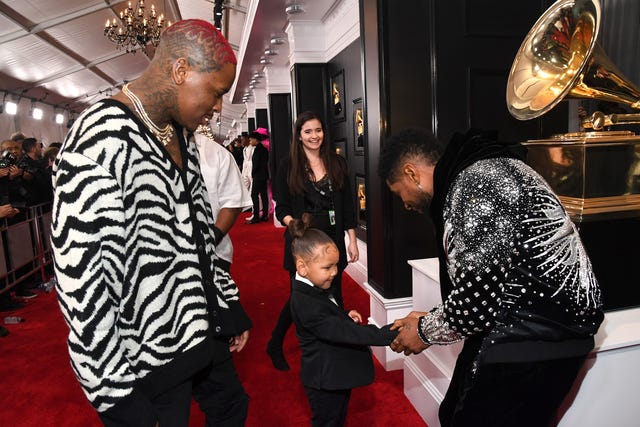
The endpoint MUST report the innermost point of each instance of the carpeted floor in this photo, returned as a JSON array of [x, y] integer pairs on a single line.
[[38, 388]]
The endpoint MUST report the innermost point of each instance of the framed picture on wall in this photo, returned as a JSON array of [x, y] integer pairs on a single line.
[[358, 127], [361, 200], [337, 97], [340, 145]]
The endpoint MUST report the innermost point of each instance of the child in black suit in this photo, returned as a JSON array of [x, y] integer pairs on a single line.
[[334, 343]]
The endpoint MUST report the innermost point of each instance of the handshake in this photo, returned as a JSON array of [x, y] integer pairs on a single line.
[[409, 340]]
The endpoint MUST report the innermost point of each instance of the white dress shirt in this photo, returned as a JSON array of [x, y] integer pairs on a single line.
[[224, 185]]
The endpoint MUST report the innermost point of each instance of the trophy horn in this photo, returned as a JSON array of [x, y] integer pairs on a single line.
[[560, 58]]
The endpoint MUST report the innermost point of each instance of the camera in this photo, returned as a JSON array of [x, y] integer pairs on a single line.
[[28, 168], [7, 159]]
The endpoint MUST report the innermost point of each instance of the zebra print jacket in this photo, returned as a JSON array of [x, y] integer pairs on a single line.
[[134, 258]]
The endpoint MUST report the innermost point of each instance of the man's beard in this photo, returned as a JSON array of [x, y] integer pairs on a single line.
[[424, 201]]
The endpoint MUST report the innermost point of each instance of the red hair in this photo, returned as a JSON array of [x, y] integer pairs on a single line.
[[206, 34]]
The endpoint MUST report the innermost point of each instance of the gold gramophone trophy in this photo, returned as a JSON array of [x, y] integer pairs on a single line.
[[595, 173]]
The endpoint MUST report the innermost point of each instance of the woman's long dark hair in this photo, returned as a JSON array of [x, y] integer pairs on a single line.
[[298, 164]]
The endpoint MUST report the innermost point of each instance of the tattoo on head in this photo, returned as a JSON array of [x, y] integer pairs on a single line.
[[205, 47]]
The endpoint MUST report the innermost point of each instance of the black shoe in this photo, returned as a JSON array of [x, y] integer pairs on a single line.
[[253, 221], [25, 294], [3, 331], [265, 218], [277, 357]]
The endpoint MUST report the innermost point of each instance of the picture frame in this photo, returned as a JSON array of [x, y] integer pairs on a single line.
[[358, 127], [361, 201], [337, 106], [340, 146]]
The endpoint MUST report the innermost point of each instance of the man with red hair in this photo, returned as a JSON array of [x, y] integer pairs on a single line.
[[152, 318]]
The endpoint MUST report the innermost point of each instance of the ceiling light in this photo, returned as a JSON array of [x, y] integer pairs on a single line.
[[135, 29], [59, 118], [11, 108], [36, 113], [265, 61], [278, 40], [270, 51], [294, 9]]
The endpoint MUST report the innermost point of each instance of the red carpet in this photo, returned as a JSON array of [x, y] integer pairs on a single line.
[[38, 388]]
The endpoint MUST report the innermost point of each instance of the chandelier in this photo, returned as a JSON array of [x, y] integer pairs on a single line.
[[135, 29]]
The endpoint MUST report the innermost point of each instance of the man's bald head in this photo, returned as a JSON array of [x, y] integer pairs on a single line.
[[199, 41]]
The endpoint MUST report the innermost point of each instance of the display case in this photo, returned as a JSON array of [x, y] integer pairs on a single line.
[[596, 176]]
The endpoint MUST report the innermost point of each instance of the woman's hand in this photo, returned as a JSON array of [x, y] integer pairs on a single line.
[[352, 250]]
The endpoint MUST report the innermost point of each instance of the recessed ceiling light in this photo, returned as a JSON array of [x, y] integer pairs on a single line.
[[270, 51], [294, 9], [264, 60], [277, 40]]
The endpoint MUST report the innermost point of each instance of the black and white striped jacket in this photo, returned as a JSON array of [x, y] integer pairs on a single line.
[[134, 256]]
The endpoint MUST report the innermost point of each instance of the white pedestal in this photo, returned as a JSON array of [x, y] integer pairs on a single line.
[[607, 394], [382, 311], [427, 375], [604, 395]]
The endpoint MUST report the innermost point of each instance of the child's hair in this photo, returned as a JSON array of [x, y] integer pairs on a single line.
[[305, 238]]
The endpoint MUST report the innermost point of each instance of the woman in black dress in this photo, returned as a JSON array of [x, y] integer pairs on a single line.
[[313, 179]]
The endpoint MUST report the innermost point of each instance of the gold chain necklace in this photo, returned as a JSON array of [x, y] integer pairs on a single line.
[[165, 134], [206, 131]]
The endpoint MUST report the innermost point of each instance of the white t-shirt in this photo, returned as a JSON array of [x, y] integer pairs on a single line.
[[224, 185]]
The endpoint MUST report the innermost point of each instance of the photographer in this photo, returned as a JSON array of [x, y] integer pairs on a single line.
[[10, 203], [34, 167], [12, 175]]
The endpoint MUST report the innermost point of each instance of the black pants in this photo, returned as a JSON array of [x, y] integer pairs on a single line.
[[170, 408], [220, 395], [285, 320], [506, 394], [217, 390], [259, 191], [328, 407]]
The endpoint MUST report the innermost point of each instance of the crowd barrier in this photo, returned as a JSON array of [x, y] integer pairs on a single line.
[[25, 249]]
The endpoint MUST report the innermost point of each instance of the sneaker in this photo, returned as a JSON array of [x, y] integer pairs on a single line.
[[25, 294]]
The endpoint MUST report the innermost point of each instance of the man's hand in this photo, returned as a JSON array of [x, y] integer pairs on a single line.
[[417, 314], [238, 342], [407, 340], [14, 172], [7, 211]]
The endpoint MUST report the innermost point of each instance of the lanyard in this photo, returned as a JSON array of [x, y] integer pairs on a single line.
[[332, 211]]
